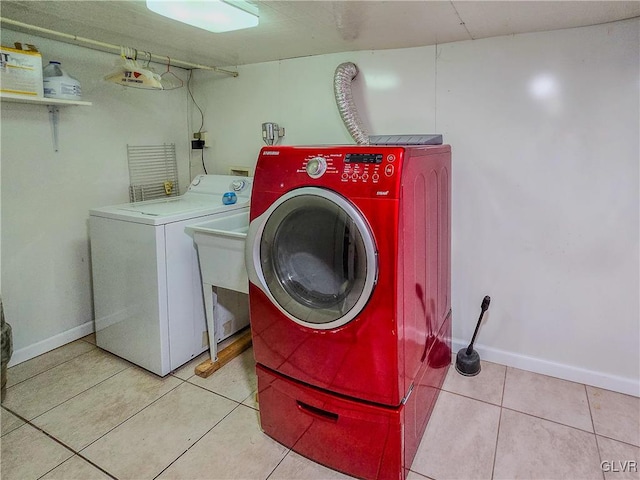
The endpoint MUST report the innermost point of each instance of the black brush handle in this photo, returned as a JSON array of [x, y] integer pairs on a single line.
[[484, 307]]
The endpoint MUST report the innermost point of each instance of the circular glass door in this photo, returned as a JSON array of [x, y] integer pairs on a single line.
[[318, 258]]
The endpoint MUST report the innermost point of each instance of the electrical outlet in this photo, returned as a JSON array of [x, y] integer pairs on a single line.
[[203, 138]]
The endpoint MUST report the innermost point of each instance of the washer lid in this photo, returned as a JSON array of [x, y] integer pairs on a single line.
[[172, 206], [163, 211], [314, 257]]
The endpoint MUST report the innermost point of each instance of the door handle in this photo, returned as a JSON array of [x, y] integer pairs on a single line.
[[317, 412]]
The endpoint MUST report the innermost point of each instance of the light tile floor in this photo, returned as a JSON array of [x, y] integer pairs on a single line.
[[80, 413]]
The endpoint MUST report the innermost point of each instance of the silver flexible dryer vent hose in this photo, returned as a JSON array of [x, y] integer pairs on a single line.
[[345, 73]]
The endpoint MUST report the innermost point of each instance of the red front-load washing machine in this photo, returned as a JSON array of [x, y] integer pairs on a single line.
[[349, 260]]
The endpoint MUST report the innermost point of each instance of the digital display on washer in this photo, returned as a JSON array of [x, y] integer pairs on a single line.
[[363, 158]]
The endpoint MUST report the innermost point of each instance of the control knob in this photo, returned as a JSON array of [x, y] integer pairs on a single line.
[[238, 185], [316, 167]]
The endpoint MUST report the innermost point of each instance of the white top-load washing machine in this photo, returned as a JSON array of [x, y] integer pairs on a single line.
[[147, 292]]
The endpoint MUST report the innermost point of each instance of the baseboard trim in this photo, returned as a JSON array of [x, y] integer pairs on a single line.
[[566, 372], [44, 346], [624, 385]]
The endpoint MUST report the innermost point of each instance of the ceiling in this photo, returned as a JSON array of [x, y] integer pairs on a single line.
[[291, 29]]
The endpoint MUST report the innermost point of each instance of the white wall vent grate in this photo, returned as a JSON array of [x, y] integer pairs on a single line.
[[153, 171]]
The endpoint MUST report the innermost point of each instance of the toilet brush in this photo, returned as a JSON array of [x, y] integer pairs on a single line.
[[468, 360]]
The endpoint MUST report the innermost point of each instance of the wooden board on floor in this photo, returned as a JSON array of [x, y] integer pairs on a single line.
[[225, 355]]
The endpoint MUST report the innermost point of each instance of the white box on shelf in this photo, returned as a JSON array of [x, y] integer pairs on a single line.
[[21, 72]]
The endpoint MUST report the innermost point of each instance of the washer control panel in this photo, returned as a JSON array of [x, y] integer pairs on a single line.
[[355, 171], [350, 167]]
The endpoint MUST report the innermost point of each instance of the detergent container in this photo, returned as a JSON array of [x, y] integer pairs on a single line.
[[59, 84]]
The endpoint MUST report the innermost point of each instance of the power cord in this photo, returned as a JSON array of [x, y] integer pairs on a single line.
[[201, 117]]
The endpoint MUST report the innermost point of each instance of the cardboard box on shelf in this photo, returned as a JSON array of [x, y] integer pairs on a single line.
[[21, 71]]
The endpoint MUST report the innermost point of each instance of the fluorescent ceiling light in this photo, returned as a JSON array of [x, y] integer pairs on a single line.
[[213, 15]]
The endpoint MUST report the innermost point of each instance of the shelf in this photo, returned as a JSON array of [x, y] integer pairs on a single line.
[[9, 97], [53, 105]]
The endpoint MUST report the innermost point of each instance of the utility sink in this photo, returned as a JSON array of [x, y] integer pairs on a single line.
[[221, 250]]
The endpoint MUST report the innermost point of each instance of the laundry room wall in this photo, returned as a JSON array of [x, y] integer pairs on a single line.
[[544, 129], [46, 195], [298, 95]]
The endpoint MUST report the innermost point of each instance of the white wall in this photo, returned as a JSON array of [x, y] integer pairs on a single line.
[[544, 131], [46, 279], [298, 95]]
